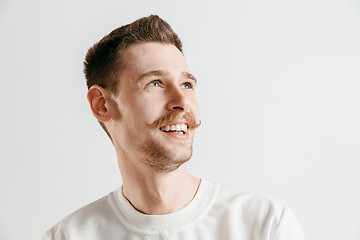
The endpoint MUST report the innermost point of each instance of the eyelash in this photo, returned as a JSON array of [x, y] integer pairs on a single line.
[[158, 81], [191, 85]]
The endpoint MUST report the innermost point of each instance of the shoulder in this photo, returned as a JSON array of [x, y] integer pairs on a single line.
[[251, 201], [256, 213], [87, 217]]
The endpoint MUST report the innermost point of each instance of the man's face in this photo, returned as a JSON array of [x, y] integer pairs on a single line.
[[157, 107]]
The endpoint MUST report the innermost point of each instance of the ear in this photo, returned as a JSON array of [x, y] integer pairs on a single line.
[[99, 99]]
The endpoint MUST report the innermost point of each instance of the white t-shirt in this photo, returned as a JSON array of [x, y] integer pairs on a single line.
[[214, 213]]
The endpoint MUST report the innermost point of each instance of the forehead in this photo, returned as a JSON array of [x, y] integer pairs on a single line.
[[144, 57]]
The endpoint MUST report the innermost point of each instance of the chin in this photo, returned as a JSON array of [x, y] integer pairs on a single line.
[[163, 159]]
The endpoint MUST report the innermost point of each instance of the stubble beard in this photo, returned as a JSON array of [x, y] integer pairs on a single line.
[[163, 159]]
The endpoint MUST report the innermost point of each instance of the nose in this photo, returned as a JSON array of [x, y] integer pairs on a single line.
[[177, 100]]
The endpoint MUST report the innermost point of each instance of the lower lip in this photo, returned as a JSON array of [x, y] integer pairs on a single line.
[[178, 136]]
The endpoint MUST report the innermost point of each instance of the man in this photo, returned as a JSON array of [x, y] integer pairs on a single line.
[[143, 94]]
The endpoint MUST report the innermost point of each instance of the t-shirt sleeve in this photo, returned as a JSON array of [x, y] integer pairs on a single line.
[[288, 227], [54, 234], [44, 237]]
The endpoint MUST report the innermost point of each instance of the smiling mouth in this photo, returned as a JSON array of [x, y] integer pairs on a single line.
[[175, 128]]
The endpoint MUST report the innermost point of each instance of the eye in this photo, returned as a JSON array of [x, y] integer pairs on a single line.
[[155, 83], [187, 85]]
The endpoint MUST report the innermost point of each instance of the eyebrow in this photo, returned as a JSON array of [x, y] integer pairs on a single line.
[[189, 76], [161, 73]]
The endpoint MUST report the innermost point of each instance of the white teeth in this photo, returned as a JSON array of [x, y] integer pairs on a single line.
[[184, 127], [175, 127]]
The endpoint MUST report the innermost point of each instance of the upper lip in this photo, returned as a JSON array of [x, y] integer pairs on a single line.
[[177, 122]]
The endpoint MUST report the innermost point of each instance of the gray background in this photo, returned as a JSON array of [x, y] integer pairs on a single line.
[[278, 91]]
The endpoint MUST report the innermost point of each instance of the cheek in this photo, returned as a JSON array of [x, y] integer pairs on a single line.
[[146, 109], [195, 107]]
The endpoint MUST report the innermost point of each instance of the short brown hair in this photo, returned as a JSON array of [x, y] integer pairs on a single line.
[[103, 61]]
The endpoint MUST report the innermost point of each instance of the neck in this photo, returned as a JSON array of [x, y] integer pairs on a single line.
[[156, 193]]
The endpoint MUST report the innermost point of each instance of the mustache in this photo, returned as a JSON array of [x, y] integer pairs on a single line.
[[165, 120]]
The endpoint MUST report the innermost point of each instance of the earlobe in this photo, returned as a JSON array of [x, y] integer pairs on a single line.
[[97, 98]]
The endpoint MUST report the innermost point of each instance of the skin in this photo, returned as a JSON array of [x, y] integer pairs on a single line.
[[141, 100]]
